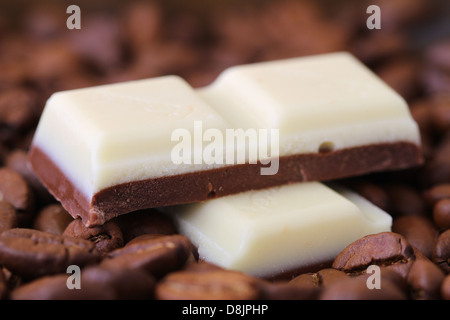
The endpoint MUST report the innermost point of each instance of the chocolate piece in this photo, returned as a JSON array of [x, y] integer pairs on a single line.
[[269, 232], [114, 151]]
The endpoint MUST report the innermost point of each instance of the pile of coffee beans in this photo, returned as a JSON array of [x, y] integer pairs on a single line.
[[46, 254]]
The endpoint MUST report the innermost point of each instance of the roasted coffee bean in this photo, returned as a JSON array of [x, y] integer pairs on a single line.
[[101, 56], [328, 276], [321, 278], [156, 254], [106, 237], [401, 14], [402, 74], [32, 253], [96, 283], [17, 108], [211, 285], [17, 160], [53, 218], [3, 153], [377, 47], [405, 200], [419, 231], [15, 190], [8, 216], [440, 112], [142, 23], [55, 287], [424, 280], [441, 252], [356, 288], [441, 214], [437, 170], [120, 283], [375, 194], [445, 288], [145, 222], [436, 80], [420, 111], [52, 61], [438, 54], [284, 290], [387, 249], [3, 286], [436, 193]]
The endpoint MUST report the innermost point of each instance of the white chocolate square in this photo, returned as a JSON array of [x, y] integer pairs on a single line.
[[270, 231]]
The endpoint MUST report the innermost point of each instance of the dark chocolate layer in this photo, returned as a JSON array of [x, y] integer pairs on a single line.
[[203, 185]]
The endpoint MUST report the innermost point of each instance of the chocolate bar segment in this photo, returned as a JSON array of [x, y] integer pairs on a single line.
[[269, 232], [109, 150]]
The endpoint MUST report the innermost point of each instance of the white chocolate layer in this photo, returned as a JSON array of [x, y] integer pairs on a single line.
[[112, 134], [267, 232]]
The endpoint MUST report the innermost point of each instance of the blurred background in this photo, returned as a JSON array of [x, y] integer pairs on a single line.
[[197, 39]]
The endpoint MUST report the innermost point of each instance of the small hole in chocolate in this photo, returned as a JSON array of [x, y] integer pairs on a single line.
[[326, 147]]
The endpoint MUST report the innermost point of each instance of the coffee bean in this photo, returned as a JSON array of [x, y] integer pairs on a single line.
[[54, 287], [440, 112], [424, 280], [445, 288], [3, 153], [53, 218], [3, 286], [52, 61], [441, 252], [387, 249], [374, 193], [106, 237], [211, 285], [441, 214], [15, 190], [356, 288], [328, 276], [142, 23], [156, 254], [283, 290], [145, 222], [8, 216], [420, 111], [436, 193], [101, 56], [121, 284], [320, 278], [437, 170], [438, 54], [405, 200], [32, 253], [17, 108], [17, 160], [436, 80], [377, 47], [96, 283], [402, 74], [419, 231]]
